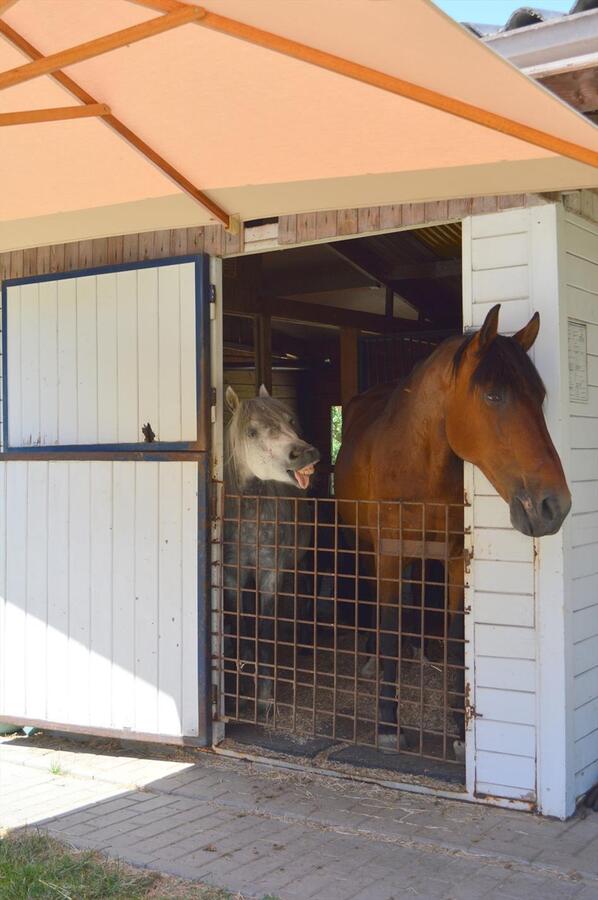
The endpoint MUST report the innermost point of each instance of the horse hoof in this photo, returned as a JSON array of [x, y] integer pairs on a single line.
[[389, 742], [459, 750], [369, 669]]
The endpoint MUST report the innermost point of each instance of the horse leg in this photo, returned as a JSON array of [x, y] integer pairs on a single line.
[[268, 583], [389, 736]]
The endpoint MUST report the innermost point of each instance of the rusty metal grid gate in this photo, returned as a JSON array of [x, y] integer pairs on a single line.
[[344, 619]]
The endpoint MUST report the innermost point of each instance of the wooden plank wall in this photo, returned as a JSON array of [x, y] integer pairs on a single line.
[[496, 268], [580, 268], [284, 386], [306, 227], [98, 594]]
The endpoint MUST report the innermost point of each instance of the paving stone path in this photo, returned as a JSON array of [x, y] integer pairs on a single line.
[[260, 830]]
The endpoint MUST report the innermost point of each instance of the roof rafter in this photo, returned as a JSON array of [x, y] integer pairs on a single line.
[[382, 81], [45, 65], [120, 128], [54, 114]]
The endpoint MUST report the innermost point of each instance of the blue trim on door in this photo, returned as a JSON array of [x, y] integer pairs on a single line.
[[201, 304], [204, 604]]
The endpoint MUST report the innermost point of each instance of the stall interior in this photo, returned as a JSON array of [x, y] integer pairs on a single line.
[[314, 655]]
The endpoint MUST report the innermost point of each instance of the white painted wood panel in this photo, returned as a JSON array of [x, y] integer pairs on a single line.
[[517, 740], [505, 609], [100, 593], [506, 705], [506, 674], [506, 641], [92, 359], [579, 260], [498, 268], [507, 769]]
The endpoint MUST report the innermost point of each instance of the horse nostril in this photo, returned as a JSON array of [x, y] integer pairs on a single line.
[[294, 454], [549, 508]]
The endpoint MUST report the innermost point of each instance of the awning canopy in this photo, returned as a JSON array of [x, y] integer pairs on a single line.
[[259, 131]]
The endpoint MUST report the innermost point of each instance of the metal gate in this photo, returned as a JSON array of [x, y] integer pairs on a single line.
[[344, 619]]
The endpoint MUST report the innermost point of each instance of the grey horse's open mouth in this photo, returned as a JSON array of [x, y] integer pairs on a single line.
[[303, 475]]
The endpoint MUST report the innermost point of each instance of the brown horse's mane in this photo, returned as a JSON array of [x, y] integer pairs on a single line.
[[504, 364]]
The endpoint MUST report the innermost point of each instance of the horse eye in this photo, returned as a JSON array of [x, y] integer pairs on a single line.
[[251, 432], [494, 397]]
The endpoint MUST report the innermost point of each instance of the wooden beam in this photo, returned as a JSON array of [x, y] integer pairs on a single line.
[[116, 125], [262, 342], [389, 303], [56, 114], [45, 65], [442, 268], [385, 82], [317, 314], [579, 89], [349, 364], [5, 5]]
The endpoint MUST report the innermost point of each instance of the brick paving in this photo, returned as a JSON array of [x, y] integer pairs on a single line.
[[259, 830]]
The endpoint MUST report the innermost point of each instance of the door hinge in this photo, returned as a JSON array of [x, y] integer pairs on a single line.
[[212, 298]]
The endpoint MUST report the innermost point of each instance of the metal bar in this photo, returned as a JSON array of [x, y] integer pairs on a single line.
[[339, 702]]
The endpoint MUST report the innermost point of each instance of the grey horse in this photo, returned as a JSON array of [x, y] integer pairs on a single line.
[[267, 532]]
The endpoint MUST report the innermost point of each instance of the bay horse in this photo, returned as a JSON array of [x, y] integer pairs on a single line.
[[476, 398], [266, 530]]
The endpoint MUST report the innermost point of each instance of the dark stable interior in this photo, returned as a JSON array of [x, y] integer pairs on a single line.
[[317, 325]]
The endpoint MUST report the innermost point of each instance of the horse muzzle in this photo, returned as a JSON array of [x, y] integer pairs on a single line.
[[303, 458], [539, 515]]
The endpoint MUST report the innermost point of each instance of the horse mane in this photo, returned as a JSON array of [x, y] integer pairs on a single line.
[[503, 364]]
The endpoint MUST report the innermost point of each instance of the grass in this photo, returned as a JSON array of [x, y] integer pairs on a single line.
[[36, 867], [56, 769]]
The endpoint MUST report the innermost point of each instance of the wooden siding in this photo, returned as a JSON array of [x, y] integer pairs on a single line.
[[579, 261], [92, 359], [496, 268], [98, 599]]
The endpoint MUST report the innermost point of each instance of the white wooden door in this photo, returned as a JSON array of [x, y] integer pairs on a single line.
[[103, 619]]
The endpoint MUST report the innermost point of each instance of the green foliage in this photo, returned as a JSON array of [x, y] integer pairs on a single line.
[[336, 431]]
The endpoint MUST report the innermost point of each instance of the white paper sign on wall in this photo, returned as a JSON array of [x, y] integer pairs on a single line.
[[578, 361]]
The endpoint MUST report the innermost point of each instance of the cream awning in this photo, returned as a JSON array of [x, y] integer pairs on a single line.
[[260, 132]]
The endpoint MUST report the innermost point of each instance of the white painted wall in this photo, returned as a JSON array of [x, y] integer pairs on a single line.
[[98, 594], [579, 279], [500, 266], [511, 258], [535, 604], [92, 359]]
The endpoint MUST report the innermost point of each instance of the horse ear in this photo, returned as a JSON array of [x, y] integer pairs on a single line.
[[263, 392], [529, 332], [489, 329], [232, 400]]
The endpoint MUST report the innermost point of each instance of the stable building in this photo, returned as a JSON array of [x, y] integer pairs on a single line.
[[194, 231]]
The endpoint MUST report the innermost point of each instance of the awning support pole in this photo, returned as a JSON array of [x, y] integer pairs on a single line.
[[383, 82], [133, 139], [54, 114]]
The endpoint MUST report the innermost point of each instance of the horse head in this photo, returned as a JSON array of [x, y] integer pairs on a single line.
[[264, 443], [495, 420]]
